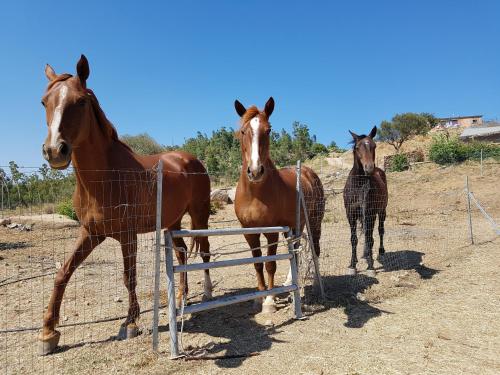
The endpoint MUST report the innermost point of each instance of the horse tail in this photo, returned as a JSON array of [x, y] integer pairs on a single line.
[[194, 243]]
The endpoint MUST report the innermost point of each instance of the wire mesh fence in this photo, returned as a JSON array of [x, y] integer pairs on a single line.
[[36, 242]]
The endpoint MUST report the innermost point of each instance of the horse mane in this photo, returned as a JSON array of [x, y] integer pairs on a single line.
[[103, 121], [59, 78], [249, 114]]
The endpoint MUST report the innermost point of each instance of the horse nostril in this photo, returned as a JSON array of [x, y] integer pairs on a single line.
[[63, 149], [249, 171], [261, 169]]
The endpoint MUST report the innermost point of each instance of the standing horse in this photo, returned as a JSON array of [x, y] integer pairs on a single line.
[[266, 196], [114, 196], [365, 197]]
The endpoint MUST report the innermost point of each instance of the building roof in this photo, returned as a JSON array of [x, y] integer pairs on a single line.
[[480, 131], [458, 117]]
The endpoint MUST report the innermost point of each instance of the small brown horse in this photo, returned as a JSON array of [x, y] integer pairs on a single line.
[[266, 196], [114, 196], [365, 197]]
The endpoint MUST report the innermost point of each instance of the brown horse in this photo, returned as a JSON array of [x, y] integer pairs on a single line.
[[114, 196], [365, 197], [266, 196]]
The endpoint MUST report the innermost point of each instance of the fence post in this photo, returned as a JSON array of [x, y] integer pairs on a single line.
[[172, 310], [468, 209], [481, 162], [313, 250], [156, 305], [297, 309], [298, 188]]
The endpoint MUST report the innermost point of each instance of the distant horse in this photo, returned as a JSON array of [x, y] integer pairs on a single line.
[[266, 196], [114, 196], [365, 197]]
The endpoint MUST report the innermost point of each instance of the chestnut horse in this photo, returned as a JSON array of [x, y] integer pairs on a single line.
[[114, 196], [266, 196], [365, 197]]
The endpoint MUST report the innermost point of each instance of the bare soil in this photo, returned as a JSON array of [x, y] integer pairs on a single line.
[[432, 308]]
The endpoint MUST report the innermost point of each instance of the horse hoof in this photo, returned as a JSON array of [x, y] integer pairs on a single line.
[[132, 331], [371, 273], [269, 308], [351, 271], [48, 345]]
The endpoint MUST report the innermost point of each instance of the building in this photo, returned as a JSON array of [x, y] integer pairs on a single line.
[[484, 134], [459, 122]]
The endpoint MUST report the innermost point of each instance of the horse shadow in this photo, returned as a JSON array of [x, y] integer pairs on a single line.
[[235, 334], [343, 292], [406, 260]]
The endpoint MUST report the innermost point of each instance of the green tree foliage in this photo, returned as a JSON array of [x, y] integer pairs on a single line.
[[143, 144], [404, 126]]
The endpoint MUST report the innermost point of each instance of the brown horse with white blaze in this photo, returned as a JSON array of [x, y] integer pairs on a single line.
[[266, 196], [114, 196]]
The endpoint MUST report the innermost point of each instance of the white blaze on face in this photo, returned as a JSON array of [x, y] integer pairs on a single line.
[[255, 124], [56, 118]]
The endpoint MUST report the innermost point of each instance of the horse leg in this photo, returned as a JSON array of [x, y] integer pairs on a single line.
[[83, 247], [180, 253], [253, 241], [369, 223], [129, 253], [381, 231], [199, 219], [353, 220], [269, 306]]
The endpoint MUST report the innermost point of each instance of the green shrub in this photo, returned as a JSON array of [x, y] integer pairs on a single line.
[[399, 163], [447, 150], [451, 150], [66, 208]]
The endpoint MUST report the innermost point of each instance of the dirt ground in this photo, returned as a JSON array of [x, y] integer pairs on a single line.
[[432, 308]]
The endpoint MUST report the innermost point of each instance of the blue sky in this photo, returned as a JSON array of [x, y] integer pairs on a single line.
[[174, 68]]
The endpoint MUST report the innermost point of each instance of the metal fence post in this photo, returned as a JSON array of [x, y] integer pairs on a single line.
[[156, 305], [172, 310], [313, 250], [468, 209], [481, 162], [297, 207], [297, 309]]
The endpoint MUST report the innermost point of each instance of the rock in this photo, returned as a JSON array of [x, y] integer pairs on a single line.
[[6, 221], [268, 323], [360, 297], [220, 195], [117, 299], [232, 194], [58, 265], [13, 225]]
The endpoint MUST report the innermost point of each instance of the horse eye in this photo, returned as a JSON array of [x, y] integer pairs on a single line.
[[42, 103], [81, 102]]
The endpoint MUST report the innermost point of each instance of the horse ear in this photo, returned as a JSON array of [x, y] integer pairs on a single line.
[[240, 109], [82, 69], [373, 133], [354, 136], [50, 73], [269, 108]]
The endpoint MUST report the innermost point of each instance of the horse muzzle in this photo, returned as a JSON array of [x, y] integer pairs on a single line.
[[255, 174], [59, 157]]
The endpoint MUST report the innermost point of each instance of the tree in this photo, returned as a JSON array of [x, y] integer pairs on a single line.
[[402, 127], [143, 144]]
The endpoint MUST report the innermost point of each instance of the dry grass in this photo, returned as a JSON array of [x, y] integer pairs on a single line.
[[433, 307]]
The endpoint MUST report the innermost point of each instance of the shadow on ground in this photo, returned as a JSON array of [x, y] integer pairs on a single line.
[[235, 335], [406, 260]]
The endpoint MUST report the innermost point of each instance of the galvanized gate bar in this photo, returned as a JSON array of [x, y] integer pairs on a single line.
[[229, 300], [226, 231], [297, 309], [172, 324], [229, 263], [156, 302]]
